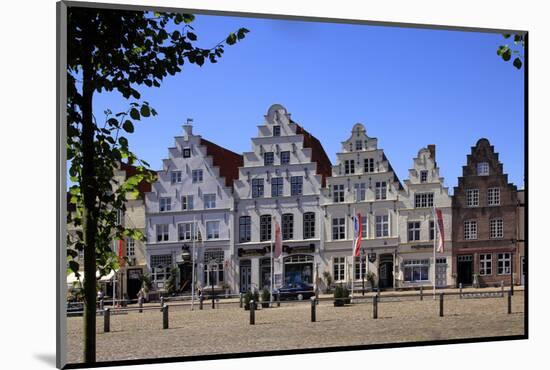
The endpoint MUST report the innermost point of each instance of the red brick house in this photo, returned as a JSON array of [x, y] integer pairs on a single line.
[[485, 221]]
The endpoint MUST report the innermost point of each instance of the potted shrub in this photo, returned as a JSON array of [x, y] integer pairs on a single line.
[[328, 280], [341, 296], [249, 296], [370, 278], [265, 298], [225, 288]]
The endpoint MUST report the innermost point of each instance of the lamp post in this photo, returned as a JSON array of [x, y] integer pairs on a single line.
[[361, 271]]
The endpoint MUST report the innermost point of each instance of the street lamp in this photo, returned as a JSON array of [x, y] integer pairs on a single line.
[[361, 270]]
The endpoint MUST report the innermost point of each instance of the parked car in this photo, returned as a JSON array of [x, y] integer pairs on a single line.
[[297, 291]]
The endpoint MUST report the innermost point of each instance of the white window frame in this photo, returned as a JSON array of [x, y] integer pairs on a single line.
[[483, 169], [338, 228], [175, 177], [360, 191], [381, 190], [349, 166], [162, 231], [212, 230], [296, 185], [382, 223], [187, 202], [185, 231], [130, 247], [197, 176], [414, 228], [472, 197], [339, 268], [423, 200], [504, 263], [338, 193], [285, 157], [422, 266], [209, 200], [423, 176], [368, 165], [496, 228], [485, 264], [270, 155], [165, 204], [470, 230], [257, 188], [493, 196]]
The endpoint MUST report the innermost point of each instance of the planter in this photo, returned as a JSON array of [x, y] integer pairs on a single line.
[[338, 303], [247, 306], [265, 304]]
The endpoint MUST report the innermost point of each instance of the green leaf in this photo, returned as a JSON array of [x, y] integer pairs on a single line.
[[517, 63], [231, 39], [191, 36], [123, 141], [506, 35], [145, 112], [506, 55], [134, 114], [128, 126]]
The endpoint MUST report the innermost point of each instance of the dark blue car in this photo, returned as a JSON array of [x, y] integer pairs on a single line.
[[297, 291]]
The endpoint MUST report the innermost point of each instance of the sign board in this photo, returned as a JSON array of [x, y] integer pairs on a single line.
[[372, 257], [278, 279]]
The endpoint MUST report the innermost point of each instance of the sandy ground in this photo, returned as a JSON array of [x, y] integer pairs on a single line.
[[140, 335]]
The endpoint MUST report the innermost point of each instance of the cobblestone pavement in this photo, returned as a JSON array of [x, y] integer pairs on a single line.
[[140, 335]]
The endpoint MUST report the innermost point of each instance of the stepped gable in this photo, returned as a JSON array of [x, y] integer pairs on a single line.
[[318, 154], [227, 161]]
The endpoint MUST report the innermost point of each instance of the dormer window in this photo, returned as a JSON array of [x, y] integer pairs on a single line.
[[483, 169], [423, 176], [186, 152], [358, 145], [276, 130]]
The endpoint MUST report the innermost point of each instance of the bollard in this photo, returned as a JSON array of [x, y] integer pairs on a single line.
[[313, 313], [441, 304], [140, 304], [107, 320], [252, 312], [165, 317], [200, 302], [278, 299], [502, 288], [375, 307], [509, 301], [101, 304], [421, 293], [460, 287], [162, 301], [241, 300]]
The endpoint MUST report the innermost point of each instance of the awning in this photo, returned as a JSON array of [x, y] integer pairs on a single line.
[[71, 278]]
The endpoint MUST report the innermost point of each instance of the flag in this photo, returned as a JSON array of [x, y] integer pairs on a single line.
[[278, 241], [357, 234], [440, 230], [121, 253]]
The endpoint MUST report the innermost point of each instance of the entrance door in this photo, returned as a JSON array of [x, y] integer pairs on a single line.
[[441, 272], [186, 277], [465, 267], [385, 271], [134, 283], [246, 278]]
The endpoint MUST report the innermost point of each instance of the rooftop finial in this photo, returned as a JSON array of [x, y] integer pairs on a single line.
[[189, 121]]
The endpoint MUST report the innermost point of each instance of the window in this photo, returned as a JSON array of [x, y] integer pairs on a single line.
[[130, 247], [288, 226], [276, 130], [493, 196], [483, 169], [485, 264], [165, 204], [360, 191], [504, 263], [185, 231], [360, 268], [244, 229], [364, 229], [338, 228], [268, 158], [472, 197], [369, 165], [423, 176], [209, 201], [257, 188], [358, 145], [162, 232], [119, 216], [276, 186], [416, 270], [338, 193], [470, 230], [212, 229], [285, 157], [187, 202], [265, 228], [296, 185], [423, 200], [382, 226], [339, 268], [413, 231], [496, 228], [197, 176], [432, 230], [186, 153], [160, 266], [175, 177], [164, 260], [381, 190], [213, 268], [309, 225], [349, 166]]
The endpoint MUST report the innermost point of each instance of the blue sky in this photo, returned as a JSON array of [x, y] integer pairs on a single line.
[[409, 87]]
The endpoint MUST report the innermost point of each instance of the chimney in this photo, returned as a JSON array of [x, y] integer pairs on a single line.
[[431, 148], [188, 127]]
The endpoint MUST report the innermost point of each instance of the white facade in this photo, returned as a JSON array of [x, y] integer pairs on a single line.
[[423, 190], [364, 182], [190, 191], [279, 182]]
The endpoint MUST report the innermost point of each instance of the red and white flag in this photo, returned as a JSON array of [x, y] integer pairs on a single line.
[[440, 230], [278, 241], [357, 234], [121, 253]]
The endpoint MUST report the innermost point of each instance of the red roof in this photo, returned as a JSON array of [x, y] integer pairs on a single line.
[[227, 161], [143, 186], [318, 154]]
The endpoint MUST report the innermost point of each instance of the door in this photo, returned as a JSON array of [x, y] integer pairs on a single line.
[[441, 272], [465, 267], [134, 283], [246, 278], [522, 270], [386, 275], [186, 277]]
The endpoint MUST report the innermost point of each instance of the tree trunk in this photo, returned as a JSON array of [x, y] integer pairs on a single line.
[[89, 216]]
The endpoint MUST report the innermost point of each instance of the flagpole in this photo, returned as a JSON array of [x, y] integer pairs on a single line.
[[194, 236], [353, 256], [271, 273], [435, 241]]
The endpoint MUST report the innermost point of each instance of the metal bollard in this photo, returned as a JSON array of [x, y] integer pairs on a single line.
[[165, 317], [502, 288], [421, 293], [201, 298], [162, 301], [241, 300], [375, 307], [252, 312], [107, 320], [140, 304], [441, 304], [101, 304], [509, 301], [278, 299], [313, 313], [460, 287]]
